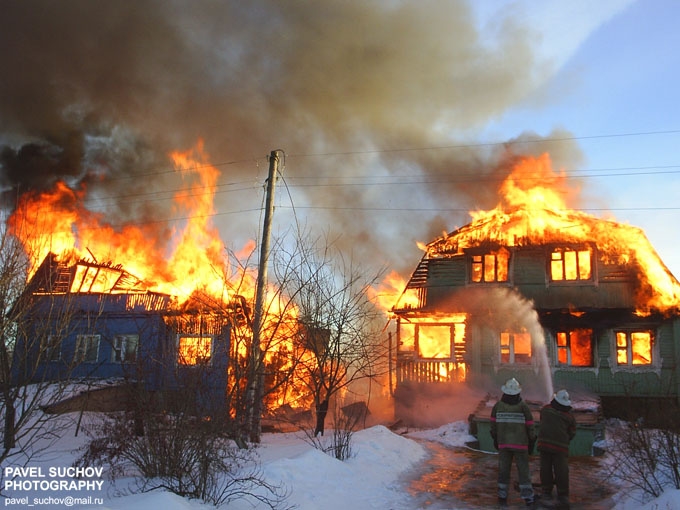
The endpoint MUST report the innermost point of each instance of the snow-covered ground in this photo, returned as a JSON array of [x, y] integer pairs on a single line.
[[373, 478]]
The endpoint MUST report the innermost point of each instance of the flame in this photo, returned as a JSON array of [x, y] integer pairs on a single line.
[[534, 210], [392, 290], [186, 260], [56, 221]]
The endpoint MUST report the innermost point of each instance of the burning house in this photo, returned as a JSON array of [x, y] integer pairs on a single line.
[[552, 296], [162, 314], [170, 312], [92, 321]]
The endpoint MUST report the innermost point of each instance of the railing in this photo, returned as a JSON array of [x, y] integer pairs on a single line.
[[429, 371]]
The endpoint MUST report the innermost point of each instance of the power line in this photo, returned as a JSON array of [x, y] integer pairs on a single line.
[[467, 210], [366, 181], [485, 144]]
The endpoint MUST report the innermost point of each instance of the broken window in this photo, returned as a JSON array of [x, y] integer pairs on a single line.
[[434, 341], [407, 337], [87, 349], [490, 267], [194, 350], [515, 347], [634, 348], [125, 348], [567, 264], [575, 347], [50, 347]]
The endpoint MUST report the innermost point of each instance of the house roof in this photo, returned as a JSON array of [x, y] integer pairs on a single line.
[[616, 243], [83, 276]]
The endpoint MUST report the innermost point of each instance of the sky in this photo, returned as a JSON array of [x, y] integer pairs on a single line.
[[394, 118], [613, 91]]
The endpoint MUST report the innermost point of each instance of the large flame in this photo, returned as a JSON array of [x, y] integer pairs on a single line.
[[186, 259], [534, 210], [56, 221]]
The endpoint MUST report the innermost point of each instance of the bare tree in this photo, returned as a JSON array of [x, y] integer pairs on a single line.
[[30, 365], [179, 449], [338, 337], [320, 332], [645, 459]]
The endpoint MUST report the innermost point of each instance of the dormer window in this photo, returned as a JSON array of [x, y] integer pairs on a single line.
[[568, 264], [490, 267]]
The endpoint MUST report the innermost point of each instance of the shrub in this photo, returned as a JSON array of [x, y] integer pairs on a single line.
[[183, 454]]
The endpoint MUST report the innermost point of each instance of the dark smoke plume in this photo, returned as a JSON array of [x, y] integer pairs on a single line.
[[360, 95]]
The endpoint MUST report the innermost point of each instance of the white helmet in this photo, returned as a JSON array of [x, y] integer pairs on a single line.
[[511, 387], [562, 397]]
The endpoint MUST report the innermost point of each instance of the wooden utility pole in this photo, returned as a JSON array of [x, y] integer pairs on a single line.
[[256, 383]]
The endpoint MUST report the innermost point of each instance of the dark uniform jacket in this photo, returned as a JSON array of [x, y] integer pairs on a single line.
[[557, 428], [512, 424]]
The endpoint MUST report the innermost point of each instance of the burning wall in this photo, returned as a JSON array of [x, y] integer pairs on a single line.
[[538, 289]]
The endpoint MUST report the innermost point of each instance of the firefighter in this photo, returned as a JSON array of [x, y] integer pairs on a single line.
[[512, 430], [557, 429]]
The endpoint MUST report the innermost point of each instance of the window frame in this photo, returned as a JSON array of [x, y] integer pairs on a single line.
[[629, 347], [119, 348], [80, 355], [563, 249], [484, 264], [200, 361], [567, 348], [51, 346], [511, 351]]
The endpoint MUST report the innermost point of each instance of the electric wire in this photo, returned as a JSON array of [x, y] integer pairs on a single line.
[[289, 182]]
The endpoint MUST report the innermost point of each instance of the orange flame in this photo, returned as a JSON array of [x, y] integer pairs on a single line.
[[391, 291], [183, 259], [534, 210], [56, 221]]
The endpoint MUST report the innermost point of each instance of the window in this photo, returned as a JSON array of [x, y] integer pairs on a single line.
[[575, 348], [567, 264], [490, 267], [125, 348], [50, 347], [515, 347], [87, 349], [194, 350], [634, 348], [434, 341]]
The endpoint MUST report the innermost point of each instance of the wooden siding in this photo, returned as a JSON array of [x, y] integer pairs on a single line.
[[612, 286]]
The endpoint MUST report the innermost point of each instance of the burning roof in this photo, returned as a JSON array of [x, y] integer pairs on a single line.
[[533, 212], [84, 276]]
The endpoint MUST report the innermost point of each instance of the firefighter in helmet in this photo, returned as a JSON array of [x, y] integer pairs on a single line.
[[512, 430]]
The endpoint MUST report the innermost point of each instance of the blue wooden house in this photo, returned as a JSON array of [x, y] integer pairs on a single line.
[[90, 321]]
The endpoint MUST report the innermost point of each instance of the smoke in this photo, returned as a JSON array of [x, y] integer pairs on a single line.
[[502, 309], [360, 95]]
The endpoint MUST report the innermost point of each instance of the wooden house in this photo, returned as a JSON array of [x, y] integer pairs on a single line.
[[556, 300], [88, 321]]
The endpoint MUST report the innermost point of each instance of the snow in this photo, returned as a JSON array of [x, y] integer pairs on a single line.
[[372, 478]]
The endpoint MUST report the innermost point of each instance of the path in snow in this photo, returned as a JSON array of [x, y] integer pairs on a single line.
[[461, 478]]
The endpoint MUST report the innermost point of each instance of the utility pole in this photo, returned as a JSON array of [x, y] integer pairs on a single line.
[[256, 384]]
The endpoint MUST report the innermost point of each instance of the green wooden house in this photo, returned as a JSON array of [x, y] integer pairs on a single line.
[[556, 300]]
